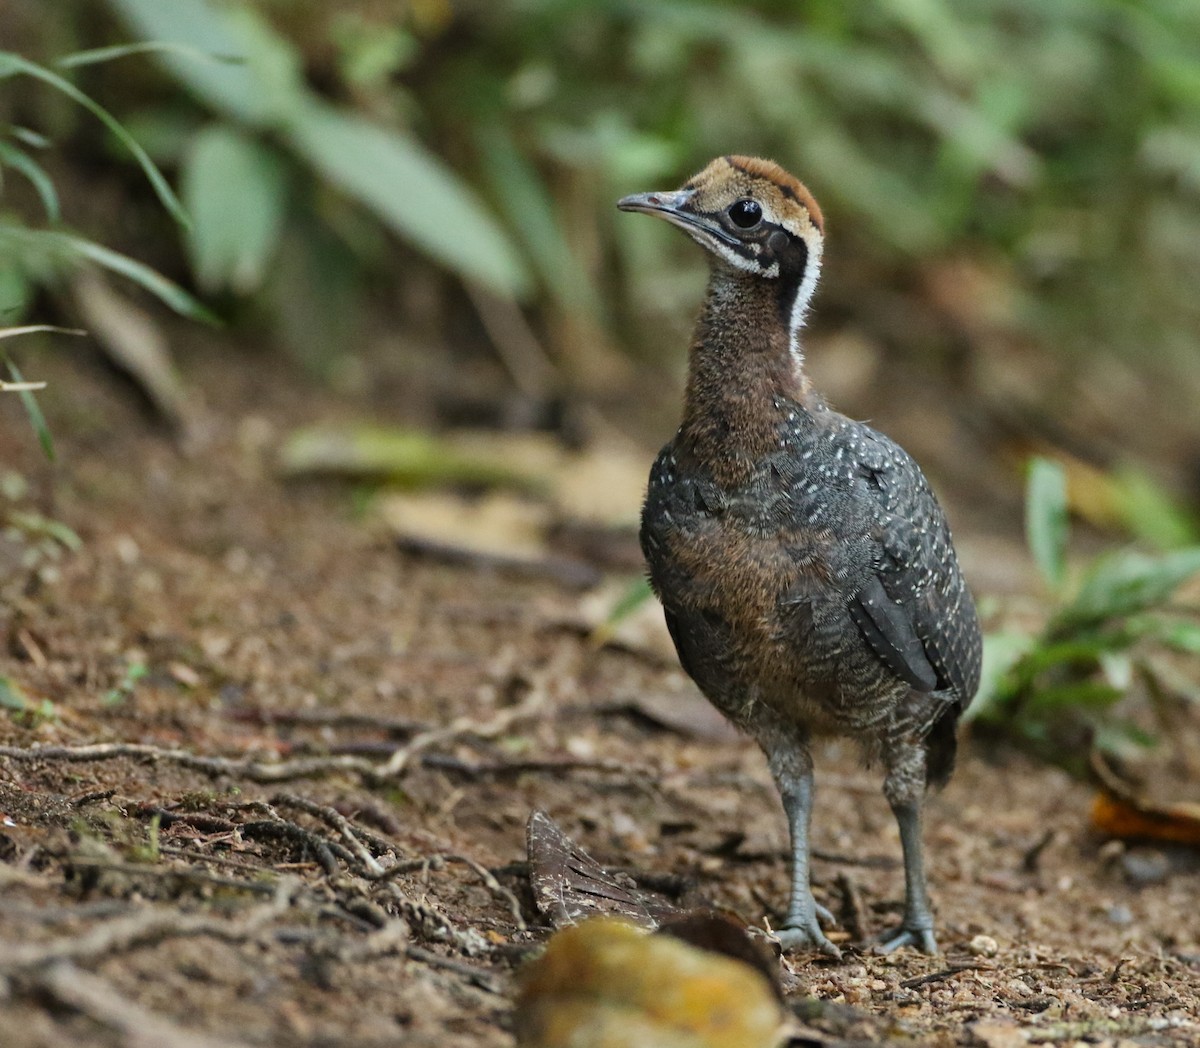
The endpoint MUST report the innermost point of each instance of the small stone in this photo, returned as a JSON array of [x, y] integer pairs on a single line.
[[1143, 866], [983, 946], [1120, 914]]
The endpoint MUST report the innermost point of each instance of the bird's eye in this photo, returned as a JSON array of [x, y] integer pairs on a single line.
[[746, 214]]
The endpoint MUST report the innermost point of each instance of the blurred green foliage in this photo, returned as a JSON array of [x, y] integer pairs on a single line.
[[1060, 691], [1058, 142]]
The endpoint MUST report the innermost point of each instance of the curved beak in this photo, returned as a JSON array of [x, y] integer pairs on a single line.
[[673, 206], [656, 203]]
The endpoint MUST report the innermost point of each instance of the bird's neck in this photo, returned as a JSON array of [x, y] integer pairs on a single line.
[[745, 374]]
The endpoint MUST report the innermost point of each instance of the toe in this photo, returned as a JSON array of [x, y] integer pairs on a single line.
[[919, 938], [795, 938]]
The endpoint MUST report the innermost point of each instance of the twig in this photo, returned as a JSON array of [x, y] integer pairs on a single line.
[[285, 770], [100, 1001], [340, 823], [329, 719], [945, 973], [140, 929], [855, 912], [187, 873], [481, 979], [240, 767], [523, 356], [553, 766], [498, 725], [433, 862], [573, 574]]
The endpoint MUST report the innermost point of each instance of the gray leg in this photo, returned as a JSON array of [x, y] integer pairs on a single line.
[[904, 788], [801, 930]]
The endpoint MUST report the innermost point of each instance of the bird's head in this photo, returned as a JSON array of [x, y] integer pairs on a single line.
[[750, 215]]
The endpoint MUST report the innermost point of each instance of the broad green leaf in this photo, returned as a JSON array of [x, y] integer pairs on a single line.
[[412, 191], [236, 191], [1128, 582], [15, 288], [1046, 519], [529, 209], [1178, 634], [11, 695], [235, 90], [1001, 653], [1149, 511], [20, 161], [12, 64]]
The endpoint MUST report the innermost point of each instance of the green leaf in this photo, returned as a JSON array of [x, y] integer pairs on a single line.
[[34, 411], [412, 191], [1082, 694], [70, 248], [21, 161], [11, 695], [12, 64], [1149, 511], [1128, 582], [236, 191], [1001, 653], [1046, 519], [526, 203], [262, 84], [107, 54], [403, 456]]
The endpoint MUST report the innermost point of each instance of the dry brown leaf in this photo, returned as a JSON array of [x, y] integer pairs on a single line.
[[569, 885], [1120, 812]]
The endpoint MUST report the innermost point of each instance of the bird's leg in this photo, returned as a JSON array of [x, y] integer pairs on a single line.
[[793, 774], [905, 788]]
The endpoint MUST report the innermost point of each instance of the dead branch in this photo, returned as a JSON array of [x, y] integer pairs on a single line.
[[101, 1002], [178, 873], [140, 929], [237, 767], [501, 722], [481, 979], [287, 770], [369, 864]]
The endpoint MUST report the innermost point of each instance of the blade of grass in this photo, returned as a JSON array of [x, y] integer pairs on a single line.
[[1046, 519], [71, 246], [11, 64], [20, 161], [107, 54], [30, 329], [34, 411]]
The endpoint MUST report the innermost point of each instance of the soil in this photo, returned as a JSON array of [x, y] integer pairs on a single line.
[[215, 609]]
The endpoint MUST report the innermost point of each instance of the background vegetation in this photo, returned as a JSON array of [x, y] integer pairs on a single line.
[[1013, 191]]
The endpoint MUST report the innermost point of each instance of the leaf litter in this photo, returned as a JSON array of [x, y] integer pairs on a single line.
[[206, 901]]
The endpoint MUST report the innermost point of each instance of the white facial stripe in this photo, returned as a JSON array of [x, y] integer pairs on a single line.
[[804, 294]]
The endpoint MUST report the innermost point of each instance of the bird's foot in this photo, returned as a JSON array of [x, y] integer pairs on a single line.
[[918, 935], [801, 933]]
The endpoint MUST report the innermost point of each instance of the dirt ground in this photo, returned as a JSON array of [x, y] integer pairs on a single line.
[[294, 891]]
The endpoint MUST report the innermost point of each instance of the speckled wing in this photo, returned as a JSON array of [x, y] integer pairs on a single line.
[[916, 613]]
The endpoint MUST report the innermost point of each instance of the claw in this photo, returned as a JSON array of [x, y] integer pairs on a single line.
[[823, 914], [919, 938], [807, 937]]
